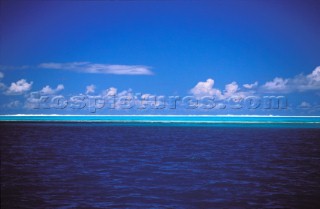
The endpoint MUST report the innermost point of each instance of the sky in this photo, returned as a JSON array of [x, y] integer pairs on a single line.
[[194, 57]]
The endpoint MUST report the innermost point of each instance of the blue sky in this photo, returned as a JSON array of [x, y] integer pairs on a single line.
[[172, 48]]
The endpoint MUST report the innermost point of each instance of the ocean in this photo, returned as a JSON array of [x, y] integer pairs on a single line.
[[159, 162]]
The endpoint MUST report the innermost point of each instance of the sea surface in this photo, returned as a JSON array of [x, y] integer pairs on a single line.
[[230, 162]]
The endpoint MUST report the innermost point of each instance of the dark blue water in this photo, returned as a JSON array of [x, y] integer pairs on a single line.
[[85, 165]]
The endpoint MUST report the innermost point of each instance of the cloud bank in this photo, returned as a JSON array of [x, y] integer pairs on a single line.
[[299, 83]]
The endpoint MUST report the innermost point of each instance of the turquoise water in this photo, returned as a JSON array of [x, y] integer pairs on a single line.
[[177, 119]]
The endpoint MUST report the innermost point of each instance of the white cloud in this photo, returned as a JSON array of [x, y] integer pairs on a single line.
[[87, 67], [298, 83], [231, 89], [251, 86], [90, 89], [19, 87], [1, 75], [116, 104], [315, 75], [205, 89], [48, 90], [277, 85]]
